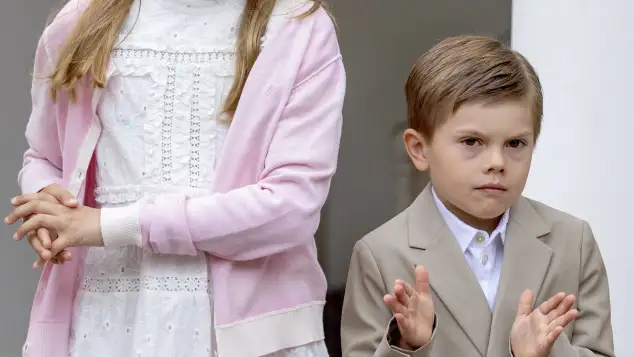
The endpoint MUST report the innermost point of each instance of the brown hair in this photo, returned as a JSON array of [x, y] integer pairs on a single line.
[[88, 47], [464, 69]]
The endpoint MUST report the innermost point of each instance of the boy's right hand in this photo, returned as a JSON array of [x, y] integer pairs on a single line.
[[413, 310], [42, 239]]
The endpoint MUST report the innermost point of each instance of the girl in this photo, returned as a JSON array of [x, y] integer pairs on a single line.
[[200, 138]]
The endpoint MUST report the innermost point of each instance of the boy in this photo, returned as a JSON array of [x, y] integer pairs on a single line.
[[474, 114]]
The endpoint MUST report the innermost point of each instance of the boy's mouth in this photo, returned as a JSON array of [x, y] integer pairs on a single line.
[[492, 188]]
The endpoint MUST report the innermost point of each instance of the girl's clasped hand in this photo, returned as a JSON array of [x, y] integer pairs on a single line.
[[53, 221]]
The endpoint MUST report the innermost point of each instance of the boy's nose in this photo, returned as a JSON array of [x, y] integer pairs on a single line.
[[496, 161]]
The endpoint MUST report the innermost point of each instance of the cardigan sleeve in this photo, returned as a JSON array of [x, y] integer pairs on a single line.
[[42, 164]]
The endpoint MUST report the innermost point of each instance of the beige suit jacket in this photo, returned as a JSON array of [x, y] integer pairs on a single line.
[[545, 250]]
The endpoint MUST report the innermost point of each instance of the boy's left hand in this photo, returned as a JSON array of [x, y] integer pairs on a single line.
[[74, 226], [534, 332]]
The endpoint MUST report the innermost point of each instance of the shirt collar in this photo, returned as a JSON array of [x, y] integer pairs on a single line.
[[463, 232]]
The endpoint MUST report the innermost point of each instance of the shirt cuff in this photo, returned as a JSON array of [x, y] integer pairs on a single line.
[[121, 226]]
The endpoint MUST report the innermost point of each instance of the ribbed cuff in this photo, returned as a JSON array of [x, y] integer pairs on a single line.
[[120, 226]]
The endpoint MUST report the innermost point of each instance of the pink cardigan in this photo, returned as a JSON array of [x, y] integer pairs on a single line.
[[258, 226]]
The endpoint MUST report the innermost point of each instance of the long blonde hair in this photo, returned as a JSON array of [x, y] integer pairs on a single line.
[[89, 45]]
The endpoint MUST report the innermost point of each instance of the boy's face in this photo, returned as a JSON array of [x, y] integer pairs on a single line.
[[479, 159]]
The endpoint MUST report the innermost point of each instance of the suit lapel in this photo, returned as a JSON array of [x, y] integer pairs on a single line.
[[450, 275], [525, 264]]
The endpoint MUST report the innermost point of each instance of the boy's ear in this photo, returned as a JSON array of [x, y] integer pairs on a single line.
[[416, 147]]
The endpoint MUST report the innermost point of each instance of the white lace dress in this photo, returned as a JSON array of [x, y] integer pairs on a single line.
[[172, 70]]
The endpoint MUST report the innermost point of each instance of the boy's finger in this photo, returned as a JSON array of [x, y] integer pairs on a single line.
[[554, 335], [400, 292], [563, 308], [422, 280], [400, 320], [563, 320], [549, 305], [525, 306], [409, 289], [394, 305]]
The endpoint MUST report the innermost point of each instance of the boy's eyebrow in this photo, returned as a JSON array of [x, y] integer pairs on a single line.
[[469, 132], [474, 132], [524, 134]]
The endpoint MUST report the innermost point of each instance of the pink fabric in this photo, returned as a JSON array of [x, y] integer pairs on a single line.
[[272, 181]]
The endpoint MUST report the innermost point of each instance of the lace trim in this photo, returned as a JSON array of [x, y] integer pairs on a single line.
[[173, 57], [194, 133], [166, 127], [146, 283], [130, 194]]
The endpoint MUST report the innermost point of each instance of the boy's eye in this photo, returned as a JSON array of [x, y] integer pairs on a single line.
[[516, 144], [471, 141]]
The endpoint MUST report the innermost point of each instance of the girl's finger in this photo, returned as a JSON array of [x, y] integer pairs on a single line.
[[66, 256], [44, 237], [44, 253], [61, 195], [59, 245], [38, 263], [36, 222], [38, 196], [33, 208]]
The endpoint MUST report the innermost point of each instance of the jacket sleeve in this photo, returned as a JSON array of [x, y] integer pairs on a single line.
[[279, 212], [42, 164], [368, 328], [592, 332]]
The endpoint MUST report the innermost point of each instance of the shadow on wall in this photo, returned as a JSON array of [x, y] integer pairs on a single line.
[[332, 321]]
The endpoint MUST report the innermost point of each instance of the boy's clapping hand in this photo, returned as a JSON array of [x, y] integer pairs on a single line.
[[534, 331], [413, 310]]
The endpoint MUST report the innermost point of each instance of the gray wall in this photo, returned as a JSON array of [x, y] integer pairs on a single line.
[[380, 40]]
